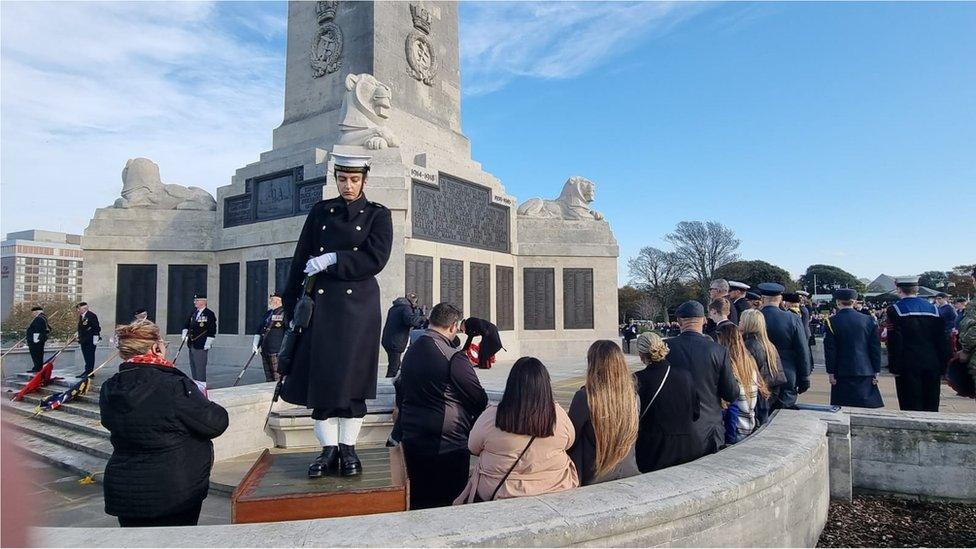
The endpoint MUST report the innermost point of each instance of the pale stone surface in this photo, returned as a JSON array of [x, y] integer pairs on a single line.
[[573, 202], [143, 188]]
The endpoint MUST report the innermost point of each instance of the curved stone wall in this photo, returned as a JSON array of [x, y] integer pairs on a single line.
[[770, 490]]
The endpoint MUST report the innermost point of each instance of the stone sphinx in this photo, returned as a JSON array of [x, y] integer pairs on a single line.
[[365, 109], [143, 188], [573, 203]]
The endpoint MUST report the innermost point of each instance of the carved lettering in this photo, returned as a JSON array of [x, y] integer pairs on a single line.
[[577, 299], [459, 212], [538, 298]]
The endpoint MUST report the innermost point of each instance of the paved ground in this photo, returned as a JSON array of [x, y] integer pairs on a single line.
[[65, 502]]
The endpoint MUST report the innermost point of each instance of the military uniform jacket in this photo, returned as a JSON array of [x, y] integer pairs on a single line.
[[272, 329], [336, 358], [785, 330], [916, 337], [851, 345], [739, 306], [88, 328], [199, 327], [40, 326]]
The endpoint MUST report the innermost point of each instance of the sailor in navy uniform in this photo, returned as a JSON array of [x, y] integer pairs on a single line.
[[267, 337], [345, 243], [737, 295], [37, 333], [852, 352], [918, 351], [199, 333], [89, 334], [946, 311]]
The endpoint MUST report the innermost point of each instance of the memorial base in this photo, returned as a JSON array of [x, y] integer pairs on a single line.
[[277, 488]]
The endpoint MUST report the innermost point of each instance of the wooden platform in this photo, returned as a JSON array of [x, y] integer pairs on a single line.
[[277, 488]]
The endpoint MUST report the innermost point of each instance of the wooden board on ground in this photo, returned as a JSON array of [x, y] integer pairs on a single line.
[[277, 488]]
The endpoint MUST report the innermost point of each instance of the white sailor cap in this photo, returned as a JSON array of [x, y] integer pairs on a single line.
[[906, 281], [351, 163], [738, 285]]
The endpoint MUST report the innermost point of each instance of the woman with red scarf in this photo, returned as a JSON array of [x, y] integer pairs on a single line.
[[161, 426]]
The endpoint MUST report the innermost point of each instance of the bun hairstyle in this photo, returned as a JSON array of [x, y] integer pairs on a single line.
[[136, 338]]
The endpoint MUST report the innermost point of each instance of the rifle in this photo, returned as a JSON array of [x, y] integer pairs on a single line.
[[182, 342], [244, 369]]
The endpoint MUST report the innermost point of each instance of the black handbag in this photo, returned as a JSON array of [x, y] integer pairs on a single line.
[[300, 319]]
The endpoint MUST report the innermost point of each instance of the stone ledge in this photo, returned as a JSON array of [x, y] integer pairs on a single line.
[[770, 490]]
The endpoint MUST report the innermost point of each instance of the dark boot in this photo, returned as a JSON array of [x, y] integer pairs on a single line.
[[326, 464], [350, 465]]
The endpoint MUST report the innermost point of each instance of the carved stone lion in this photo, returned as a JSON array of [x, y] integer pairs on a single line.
[[573, 202], [143, 188], [365, 109]]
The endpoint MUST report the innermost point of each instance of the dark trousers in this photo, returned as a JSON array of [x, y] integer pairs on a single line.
[[393, 362], [189, 517], [37, 355], [918, 391], [270, 361], [435, 480], [88, 351], [198, 364]]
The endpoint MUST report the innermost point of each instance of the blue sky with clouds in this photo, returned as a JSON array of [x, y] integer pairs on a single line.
[[840, 133]]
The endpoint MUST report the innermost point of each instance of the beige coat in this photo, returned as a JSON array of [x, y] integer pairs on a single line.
[[544, 468]]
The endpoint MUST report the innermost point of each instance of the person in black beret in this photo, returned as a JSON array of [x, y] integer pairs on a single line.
[[199, 333], [709, 366], [852, 352], [268, 336], [89, 334], [785, 330], [37, 333]]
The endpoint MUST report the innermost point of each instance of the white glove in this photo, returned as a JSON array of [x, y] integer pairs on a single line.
[[37, 338], [207, 344], [184, 335], [254, 345], [95, 340], [320, 263]]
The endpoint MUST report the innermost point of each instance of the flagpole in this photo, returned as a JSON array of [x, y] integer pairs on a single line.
[[246, 364], [85, 382]]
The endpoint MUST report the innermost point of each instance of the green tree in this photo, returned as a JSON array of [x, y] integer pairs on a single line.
[[754, 273], [828, 278], [60, 314], [961, 281], [934, 280]]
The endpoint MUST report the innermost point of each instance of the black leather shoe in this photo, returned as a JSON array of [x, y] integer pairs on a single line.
[[349, 464], [326, 464]]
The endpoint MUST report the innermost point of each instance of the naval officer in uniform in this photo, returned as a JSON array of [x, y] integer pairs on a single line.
[[785, 330], [737, 295], [852, 352], [344, 244], [918, 351]]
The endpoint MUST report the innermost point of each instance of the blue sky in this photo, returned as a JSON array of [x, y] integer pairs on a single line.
[[840, 133]]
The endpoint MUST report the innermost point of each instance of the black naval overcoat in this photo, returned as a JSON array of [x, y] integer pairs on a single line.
[[336, 358]]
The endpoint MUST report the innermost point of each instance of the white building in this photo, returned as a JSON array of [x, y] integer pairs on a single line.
[[39, 267]]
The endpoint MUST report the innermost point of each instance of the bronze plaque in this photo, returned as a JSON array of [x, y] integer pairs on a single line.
[[459, 212], [237, 210], [452, 282], [577, 299], [480, 291], [539, 298], [420, 279], [505, 297]]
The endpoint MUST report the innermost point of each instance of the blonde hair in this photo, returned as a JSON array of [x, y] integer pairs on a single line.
[[611, 394], [752, 321], [651, 345], [136, 338], [744, 366]]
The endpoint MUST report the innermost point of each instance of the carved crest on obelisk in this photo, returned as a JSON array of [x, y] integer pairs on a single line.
[[421, 59], [326, 50]]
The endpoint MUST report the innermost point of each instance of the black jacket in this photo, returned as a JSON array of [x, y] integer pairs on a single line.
[[161, 426], [199, 329], [38, 326], [491, 342], [739, 306], [337, 358], [710, 368], [785, 330], [667, 434], [583, 451], [758, 352], [272, 329], [440, 396], [400, 319], [88, 328], [916, 337], [851, 345]]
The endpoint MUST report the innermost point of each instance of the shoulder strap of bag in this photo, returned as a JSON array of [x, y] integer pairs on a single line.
[[648, 407], [510, 469]]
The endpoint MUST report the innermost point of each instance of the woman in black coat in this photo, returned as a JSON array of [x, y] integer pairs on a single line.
[[669, 407], [161, 427]]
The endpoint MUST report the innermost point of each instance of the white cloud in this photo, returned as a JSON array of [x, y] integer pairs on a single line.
[[505, 40], [85, 86]]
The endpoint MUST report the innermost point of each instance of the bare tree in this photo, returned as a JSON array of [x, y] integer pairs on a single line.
[[658, 274], [703, 247]]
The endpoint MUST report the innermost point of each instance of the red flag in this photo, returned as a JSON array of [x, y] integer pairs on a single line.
[[39, 380]]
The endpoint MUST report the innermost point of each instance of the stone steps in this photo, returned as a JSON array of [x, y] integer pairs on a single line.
[[93, 445], [60, 418], [59, 455]]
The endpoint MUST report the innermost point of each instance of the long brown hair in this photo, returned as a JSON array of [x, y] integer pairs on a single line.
[[611, 395], [743, 365], [752, 321], [527, 406]]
